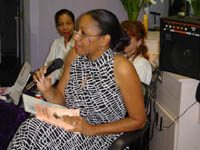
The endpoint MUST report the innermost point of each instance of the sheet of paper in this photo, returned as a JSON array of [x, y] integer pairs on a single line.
[[54, 115], [20, 83], [30, 102], [3, 98], [51, 113]]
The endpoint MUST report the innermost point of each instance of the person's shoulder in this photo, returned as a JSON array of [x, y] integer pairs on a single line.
[[124, 71], [122, 64], [119, 58], [58, 40], [141, 60], [142, 65]]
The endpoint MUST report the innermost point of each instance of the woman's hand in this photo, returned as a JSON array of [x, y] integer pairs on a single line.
[[79, 124], [43, 83]]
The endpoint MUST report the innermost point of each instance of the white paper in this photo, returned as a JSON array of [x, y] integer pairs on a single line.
[[30, 101], [3, 98], [49, 112], [20, 83]]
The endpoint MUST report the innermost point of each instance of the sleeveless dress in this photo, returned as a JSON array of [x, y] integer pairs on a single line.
[[99, 101]]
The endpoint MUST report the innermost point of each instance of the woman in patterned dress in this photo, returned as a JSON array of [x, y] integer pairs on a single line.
[[97, 80]]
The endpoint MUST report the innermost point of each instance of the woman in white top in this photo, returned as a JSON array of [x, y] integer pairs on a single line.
[[136, 51], [64, 20]]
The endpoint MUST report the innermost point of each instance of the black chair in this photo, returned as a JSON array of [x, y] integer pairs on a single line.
[[136, 139]]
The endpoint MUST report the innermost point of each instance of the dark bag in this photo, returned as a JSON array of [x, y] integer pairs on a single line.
[[11, 116]]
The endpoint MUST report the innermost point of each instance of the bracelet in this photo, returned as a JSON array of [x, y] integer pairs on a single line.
[[51, 97]]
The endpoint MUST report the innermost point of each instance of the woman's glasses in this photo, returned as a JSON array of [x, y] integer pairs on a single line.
[[82, 36]]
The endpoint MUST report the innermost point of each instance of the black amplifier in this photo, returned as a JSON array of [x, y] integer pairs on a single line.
[[180, 45]]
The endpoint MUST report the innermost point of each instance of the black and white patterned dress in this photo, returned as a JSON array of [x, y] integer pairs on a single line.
[[99, 101]]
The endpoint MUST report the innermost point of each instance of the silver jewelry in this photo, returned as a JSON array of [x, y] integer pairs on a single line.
[[102, 48]]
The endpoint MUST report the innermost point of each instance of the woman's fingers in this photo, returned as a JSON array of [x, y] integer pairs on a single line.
[[78, 123], [70, 120], [40, 74], [43, 83], [45, 69], [37, 75]]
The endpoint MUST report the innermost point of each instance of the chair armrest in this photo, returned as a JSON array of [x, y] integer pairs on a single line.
[[128, 138]]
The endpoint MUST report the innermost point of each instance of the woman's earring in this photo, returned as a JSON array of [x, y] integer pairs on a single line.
[[102, 48]]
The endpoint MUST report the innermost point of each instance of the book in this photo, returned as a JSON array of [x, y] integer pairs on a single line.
[[49, 112]]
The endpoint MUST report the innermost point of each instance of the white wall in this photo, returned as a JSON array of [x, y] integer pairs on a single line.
[[42, 26]]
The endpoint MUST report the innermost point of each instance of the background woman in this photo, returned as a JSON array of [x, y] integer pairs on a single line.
[[95, 82], [136, 51], [64, 20]]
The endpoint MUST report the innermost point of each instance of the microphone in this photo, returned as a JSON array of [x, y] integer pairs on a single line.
[[56, 64]]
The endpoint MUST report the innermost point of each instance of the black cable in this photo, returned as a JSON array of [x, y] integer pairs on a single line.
[[156, 73], [180, 115], [152, 104]]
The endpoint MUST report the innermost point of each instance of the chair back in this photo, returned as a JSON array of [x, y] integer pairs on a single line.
[[135, 137], [146, 90]]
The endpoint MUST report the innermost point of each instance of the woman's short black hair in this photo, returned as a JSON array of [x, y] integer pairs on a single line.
[[109, 24], [61, 12]]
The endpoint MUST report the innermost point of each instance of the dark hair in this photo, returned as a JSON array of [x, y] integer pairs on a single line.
[[109, 24], [61, 12], [136, 29]]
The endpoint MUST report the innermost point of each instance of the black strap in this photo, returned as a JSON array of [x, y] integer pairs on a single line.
[[198, 93]]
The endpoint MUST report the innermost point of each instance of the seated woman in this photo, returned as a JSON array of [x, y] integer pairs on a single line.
[[95, 82], [64, 20], [136, 51]]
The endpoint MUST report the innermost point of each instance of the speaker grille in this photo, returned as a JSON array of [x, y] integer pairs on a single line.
[[182, 55], [180, 48]]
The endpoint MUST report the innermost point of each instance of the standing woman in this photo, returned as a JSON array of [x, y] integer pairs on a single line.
[[98, 81], [137, 50], [64, 20]]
